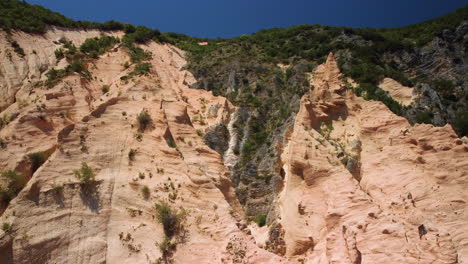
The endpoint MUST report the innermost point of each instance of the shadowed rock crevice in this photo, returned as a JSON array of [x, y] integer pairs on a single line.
[[217, 138]]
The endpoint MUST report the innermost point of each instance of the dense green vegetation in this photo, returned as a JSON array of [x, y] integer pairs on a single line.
[[141, 69], [141, 34], [314, 42], [461, 122], [424, 32], [137, 54], [310, 43], [94, 47], [20, 15], [424, 117]]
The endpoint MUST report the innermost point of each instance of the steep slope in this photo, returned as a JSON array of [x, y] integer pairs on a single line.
[[364, 186], [418, 72], [21, 73], [58, 219], [140, 160]]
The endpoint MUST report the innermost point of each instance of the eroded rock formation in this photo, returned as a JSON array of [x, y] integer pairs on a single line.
[[363, 186], [360, 184], [56, 218]]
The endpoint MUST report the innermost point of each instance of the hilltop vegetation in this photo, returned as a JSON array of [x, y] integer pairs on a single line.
[[360, 54], [20, 15]]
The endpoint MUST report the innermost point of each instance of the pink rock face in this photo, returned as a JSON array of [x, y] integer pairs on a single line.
[[57, 219], [363, 186], [401, 93]]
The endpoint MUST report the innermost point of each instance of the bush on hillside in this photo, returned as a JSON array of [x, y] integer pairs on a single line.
[[15, 182], [17, 49], [144, 120], [94, 47], [170, 218], [85, 174], [37, 159], [461, 123], [141, 69]]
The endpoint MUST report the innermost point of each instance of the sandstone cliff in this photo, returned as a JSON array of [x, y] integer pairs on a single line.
[[363, 186], [358, 184], [58, 219]]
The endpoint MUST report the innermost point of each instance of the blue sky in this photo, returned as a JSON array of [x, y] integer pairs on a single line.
[[229, 18]]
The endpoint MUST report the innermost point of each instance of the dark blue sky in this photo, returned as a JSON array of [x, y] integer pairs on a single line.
[[229, 18]]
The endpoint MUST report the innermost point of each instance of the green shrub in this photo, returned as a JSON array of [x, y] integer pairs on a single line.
[[424, 117], [170, 142], [166, 246], [85, 174], [444, 88], [132, 154], [129, 28], [105, 89], [266, 177], [58, 188], [37, 159], [54, 76], [141, 69], [260, 220], [171, 219], [77, 66], [140, 34], [59, 53], [371, 92], [146, 192], [17, 49], [94, 47], [70, 47], [7, 227], [461, 123], [137, 54], [112, 25], [144, 120], [15, 182]]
